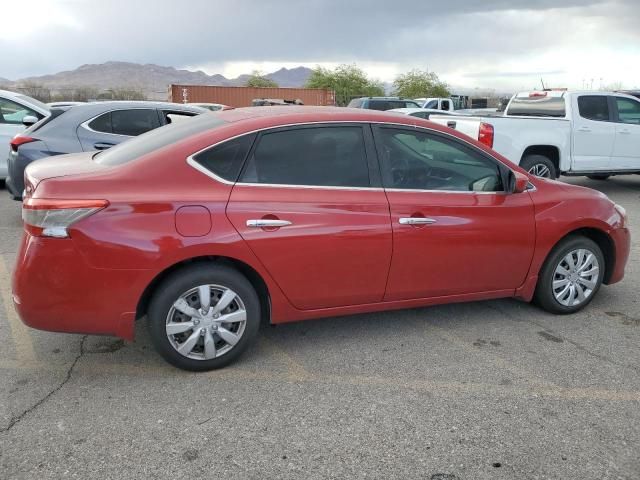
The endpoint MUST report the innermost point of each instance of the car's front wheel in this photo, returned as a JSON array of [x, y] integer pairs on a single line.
[[203, 317], [571, 276]]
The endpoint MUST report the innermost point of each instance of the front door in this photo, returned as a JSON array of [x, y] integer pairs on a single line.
[[593, 133], [626, 151], [310, 207], [455, 230]]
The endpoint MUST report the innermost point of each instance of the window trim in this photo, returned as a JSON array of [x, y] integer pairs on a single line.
[[372, 124], [86, 123], [502, 168]]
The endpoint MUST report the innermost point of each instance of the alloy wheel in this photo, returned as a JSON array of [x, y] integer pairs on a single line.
[[206, 322], [540, 170], [575, 277]]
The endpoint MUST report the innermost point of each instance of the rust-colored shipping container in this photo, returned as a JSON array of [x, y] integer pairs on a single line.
[[243, 96]]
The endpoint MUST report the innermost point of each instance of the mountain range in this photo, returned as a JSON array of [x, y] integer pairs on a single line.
[[152, 79]]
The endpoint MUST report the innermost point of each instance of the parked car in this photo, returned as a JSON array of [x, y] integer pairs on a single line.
[[214, 107], [382, 103], [87, 127], [549, 133], [210, 226], [419, 112], [15, 108], [445, 104]]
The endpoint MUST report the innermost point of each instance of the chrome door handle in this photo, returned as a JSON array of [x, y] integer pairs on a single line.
[[266, 223], [584, 129], [416, 221]]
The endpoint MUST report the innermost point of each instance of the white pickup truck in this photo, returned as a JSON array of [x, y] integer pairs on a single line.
[[445, 104], [553, 133]]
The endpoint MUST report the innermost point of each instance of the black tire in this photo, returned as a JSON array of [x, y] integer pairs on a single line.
[[186, 279], [544, 296], [598, 177], [531, 162]]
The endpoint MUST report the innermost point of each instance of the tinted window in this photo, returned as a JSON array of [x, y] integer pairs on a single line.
[[322, 156], [226, 160], [14, 113], [382, 105], [536, 106], [157, 139], [431, 104], [418, 160], [355, 103], [628, 110], [593, 107], [420, 114], [133, 122], [101, 123]]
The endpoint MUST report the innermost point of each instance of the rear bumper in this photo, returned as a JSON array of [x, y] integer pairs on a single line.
[[54, 289], [622, 244]]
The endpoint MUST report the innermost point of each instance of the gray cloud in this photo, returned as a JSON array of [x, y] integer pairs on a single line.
[[451, 36]]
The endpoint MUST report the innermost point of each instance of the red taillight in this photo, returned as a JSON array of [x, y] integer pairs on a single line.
[[485, 135], [51, 218], [20, 140]]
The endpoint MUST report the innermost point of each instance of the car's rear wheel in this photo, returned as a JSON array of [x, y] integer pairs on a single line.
[[571, 276], [598, 177], [539, 165], [204, 317]]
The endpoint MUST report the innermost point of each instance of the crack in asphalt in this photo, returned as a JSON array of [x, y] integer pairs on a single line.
[[15, 420], [577, 345]]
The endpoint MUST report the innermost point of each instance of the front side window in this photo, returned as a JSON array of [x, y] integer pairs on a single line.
[[628, 110], [225, 160], [381, 105], [418, 160], [318, 156], [13, 113], [432, 104], [594, 107], [134, 122]]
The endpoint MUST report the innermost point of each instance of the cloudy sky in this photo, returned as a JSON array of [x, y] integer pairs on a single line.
[[500, 44]]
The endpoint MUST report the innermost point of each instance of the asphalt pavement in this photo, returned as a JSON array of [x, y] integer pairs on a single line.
[[484, 390]]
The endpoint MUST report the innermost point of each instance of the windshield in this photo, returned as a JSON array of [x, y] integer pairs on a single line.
[[157, 139], [33, 101]]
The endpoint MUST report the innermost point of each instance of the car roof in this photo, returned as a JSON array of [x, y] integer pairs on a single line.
[[408, 110]]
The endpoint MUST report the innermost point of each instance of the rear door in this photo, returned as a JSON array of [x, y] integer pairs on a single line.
[[114, 127], [455, 230], [626, 151], [310, 205], [593, 133]]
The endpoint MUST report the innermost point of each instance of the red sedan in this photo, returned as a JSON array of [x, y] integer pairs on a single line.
[[209, 226]]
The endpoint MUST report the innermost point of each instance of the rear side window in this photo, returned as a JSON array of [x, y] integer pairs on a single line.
[[134, 122], [102, 123], [225, 160], [319, 156], [628, 110], [537, 107], [382, 105], [594, 107]]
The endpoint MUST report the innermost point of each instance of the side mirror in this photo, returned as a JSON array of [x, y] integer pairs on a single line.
[[29, 120], [518, 182]]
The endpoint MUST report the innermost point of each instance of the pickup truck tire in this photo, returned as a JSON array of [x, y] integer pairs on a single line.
[[571, 276], [598, 177], [539, 165]]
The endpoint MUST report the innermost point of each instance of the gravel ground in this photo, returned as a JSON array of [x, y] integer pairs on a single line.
[[494, 389]]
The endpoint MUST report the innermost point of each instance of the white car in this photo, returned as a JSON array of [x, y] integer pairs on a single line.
[[419, 112], [445, 104], [553, 133], [17, 112]]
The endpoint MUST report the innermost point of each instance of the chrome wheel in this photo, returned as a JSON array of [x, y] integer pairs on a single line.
[[206, 322], [576, 277], [540, 170]]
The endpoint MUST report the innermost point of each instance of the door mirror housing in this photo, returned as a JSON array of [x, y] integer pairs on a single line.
[[29, 120], [518, 182]]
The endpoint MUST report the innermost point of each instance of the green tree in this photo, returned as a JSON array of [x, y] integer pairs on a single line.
[[418, 83], [258, 80], [348, 81]]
